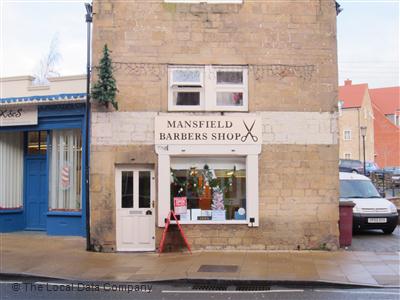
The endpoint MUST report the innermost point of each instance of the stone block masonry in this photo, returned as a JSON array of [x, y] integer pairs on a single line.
[[304, 128], [290, 50]]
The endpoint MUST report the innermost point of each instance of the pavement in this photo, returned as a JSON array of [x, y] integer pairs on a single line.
[[35, 254]]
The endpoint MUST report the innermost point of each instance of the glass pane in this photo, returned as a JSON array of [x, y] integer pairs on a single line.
[[186, 76], [186, 98], [33, 142], [215, 189], [127, 189], [230, 77], [144, 189], [43, 142], [65, 161], [229, 99]]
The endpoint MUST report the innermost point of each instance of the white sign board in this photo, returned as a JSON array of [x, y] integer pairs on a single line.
[[18, 116], [211, 130]]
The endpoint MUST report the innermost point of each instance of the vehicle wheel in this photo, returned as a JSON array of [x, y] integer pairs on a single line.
[[389, 230], [354, 171]]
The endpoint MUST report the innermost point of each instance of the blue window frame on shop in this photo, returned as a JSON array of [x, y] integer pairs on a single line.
[[44, 171]]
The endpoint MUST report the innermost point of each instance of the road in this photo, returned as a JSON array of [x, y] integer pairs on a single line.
[[376, 240], [74, 290]]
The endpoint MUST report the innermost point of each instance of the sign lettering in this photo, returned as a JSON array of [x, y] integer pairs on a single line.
[[217, 130], [18, 116]]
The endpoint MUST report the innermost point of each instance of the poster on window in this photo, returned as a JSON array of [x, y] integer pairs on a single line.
[[180, 205], [65, 177]]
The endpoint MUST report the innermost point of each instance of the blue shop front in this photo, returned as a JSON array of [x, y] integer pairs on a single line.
[[42, 167]]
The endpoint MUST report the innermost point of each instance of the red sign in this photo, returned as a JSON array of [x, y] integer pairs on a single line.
[[180, 205]]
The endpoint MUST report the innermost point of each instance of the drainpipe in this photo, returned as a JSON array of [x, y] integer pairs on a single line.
[[89, 18]]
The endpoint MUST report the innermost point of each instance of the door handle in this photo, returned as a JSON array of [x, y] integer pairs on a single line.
[[149, 213]]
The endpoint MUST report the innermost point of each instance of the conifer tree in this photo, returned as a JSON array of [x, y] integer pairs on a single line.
[[105, 89]]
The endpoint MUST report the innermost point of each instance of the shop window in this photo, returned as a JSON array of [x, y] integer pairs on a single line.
[[11, 170], [208, 88], [65, 170], [37, 142], [213, 190]]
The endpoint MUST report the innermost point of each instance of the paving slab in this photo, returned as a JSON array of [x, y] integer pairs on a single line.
[[60, 257]]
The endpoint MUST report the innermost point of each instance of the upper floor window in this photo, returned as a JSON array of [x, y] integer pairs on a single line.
[[208, 88], [205, 1], [347, 135]]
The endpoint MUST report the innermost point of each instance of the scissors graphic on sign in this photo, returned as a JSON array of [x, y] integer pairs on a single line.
[[249, 133]]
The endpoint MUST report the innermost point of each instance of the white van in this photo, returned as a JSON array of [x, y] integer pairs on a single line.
[[371, 210]]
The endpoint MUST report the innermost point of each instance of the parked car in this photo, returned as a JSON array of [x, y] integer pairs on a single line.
[[370, 167], [351, 166], [371, 211]]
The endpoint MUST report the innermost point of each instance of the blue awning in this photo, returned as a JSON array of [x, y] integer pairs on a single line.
[[44, 99]]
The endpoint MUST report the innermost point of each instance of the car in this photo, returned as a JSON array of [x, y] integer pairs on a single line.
[[370, 167], [351, 166], [371, 211]]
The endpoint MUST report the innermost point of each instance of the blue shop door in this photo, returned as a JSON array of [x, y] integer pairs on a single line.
[[36, 193]]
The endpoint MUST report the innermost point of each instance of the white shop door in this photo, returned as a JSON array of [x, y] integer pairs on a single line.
[[135, 209]]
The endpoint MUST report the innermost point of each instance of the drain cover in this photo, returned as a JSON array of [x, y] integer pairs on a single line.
[[218, 268], [252, 288], [209, 287]]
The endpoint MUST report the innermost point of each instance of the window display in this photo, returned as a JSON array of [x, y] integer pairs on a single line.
[[65, 163], [213, 189]]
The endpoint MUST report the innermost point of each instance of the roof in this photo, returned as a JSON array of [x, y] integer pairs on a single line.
[[45, 99], [351, 176], [352, 94], [386, 99]]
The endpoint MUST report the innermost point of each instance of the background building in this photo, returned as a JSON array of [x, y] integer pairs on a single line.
[[356, 111], [41, 144], [239, 96], [386, 106]]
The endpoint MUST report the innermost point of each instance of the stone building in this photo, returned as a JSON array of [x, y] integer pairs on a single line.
[[227, 114], [356, 111]]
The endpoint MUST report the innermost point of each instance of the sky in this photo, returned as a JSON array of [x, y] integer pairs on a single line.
[[367, 32]]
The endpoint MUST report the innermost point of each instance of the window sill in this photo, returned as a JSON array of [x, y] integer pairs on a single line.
[[11, 211], [65, 213], [229, 222]]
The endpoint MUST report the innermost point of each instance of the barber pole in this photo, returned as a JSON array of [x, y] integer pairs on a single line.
[[65, 182]]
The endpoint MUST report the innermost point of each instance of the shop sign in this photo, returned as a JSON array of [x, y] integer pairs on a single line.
[[212, 130], [180, 205], [18, 116]]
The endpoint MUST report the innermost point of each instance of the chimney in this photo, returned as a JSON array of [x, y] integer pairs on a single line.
[[347, 82]]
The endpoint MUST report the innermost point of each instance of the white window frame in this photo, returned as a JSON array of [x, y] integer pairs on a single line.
[[172, 87], [210, 88], [250, 152], [347, 155], [205, 1], [344, 135]]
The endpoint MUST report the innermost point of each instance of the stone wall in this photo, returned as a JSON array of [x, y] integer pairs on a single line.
[[304, 128], [290, 50], [290, 47]]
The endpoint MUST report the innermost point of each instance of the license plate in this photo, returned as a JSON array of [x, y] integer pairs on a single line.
[[377, 220]]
